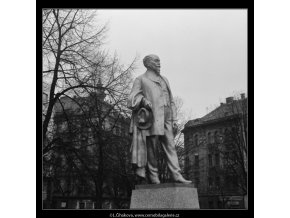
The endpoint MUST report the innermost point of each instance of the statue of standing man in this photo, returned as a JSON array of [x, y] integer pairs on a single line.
[[153, 119]]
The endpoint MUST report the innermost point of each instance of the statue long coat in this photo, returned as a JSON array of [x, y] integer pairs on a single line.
[[147, 86]]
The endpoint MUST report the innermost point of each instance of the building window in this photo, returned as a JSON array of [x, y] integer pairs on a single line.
[[227, 135], [196, 160], [209, 137], [196, 140], [216, 137], [186, 138], [210, 160], [217, 159]]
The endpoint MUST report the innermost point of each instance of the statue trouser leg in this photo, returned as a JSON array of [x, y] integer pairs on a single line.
[[167, 142], [168, 145], [152, 163]]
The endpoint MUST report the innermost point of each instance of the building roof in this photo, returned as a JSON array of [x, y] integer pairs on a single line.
[[225, 110], [73, 104]]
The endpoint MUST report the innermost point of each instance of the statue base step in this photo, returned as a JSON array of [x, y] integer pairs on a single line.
[[165, 196]]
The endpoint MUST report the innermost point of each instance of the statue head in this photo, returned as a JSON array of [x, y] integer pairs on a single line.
[[152, 62]]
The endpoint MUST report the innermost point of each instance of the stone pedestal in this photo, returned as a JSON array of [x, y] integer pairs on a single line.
[[165, 196]]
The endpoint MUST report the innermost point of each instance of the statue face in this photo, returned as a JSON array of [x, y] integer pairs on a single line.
[[152, 62]]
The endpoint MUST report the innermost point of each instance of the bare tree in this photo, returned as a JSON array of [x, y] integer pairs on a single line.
[[92, 143], [87, 99], [73, 60], [71, 50]]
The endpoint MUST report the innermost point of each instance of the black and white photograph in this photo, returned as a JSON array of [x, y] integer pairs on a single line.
[[144, 109], [144, 112]]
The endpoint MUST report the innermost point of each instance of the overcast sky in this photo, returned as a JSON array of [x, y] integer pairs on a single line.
[[203, 53]]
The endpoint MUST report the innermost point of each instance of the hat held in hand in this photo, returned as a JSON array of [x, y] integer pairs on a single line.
[[144, 118]]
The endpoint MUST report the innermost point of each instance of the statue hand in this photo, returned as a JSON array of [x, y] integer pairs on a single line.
[[147, 104]]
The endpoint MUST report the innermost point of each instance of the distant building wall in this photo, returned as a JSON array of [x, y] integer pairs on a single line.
[[205, 160]]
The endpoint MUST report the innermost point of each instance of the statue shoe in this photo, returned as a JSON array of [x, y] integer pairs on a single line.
[[154, 180], [180, 179]]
